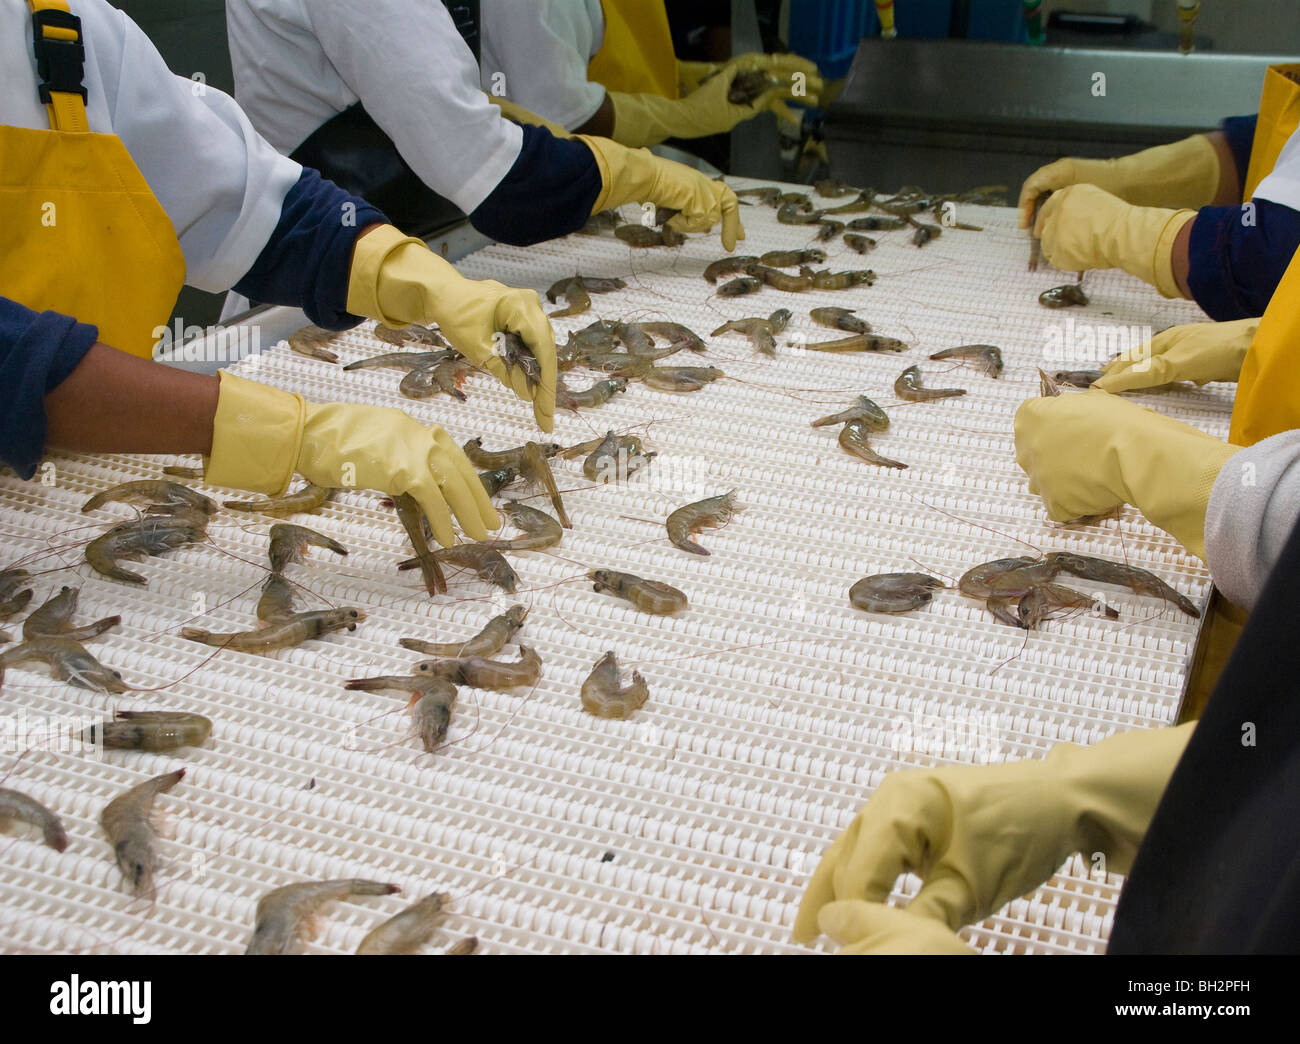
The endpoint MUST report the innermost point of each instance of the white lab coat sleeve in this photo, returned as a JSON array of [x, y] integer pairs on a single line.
[[1282, 183], [536, 52], [417, 79], [1253, 508], [221, 184]]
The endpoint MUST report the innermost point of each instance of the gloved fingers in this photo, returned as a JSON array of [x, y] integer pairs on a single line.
[[1046, 212], [475, 503], [732, 229], [907, 821], [820, 889], [873, 928], [1047, 178], [429, 496], [947, 897], [1136, 369], [784, 113]]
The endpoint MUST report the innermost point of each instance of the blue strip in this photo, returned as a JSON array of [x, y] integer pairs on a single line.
[[37, 352], [1235, 266], [549, 192], [306, 261], [1240, 132]]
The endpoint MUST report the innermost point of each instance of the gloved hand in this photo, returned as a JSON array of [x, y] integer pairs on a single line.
[[1182, 174], [1086, 454], [526, 117], [645, 119], [783, 67], [639, 176], [1084, 227], [398, 280], [980, 836], [262, 435], [1200, 352]]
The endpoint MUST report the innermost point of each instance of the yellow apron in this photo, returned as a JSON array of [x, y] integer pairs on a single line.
[[636, 55], [82, 233], [1279, 114], [1268, 390]]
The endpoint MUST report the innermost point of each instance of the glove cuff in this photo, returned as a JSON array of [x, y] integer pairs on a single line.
[[1181, 174], [256, 436], [369, 256], [625, 173], [638, 119], [1163, 262]]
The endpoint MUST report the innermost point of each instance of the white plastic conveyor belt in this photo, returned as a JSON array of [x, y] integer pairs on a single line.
[[775, 707]]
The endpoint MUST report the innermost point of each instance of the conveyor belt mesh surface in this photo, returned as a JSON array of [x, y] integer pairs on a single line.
[[775, 707]]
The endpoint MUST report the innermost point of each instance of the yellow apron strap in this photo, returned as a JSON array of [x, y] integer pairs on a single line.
[[1279, 115], [1268, 389], [636, 55], [60, 62]]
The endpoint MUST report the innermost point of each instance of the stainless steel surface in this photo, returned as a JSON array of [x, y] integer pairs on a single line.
[[948, 113]]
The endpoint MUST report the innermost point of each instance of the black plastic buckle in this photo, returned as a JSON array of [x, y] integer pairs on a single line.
[[61, 64]]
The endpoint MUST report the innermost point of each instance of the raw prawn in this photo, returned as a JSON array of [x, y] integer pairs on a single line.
[[602, 696], [54, 620], [909, 388], [650, 596], [689, 519], [283, 632], [127, 820], [853, 440], [494, 636], [286, 917], [152, 731], [893, 592]]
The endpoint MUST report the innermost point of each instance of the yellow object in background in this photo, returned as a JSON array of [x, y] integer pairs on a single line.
[[636, 55], [1279, 115], [82, 233], [1268, 389]]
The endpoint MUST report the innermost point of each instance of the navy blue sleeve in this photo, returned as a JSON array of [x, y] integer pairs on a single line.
[[1240, 132], [37, 352], [306, 261], [549, 192], [1235, 266]]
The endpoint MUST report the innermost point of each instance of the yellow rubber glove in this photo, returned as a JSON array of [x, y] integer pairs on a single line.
[[518, 114], [639, 176], [980, 836], [1084, 227], [1200, 352], [1182, 174], [646, 119], [262, 435], [1086, 454], [398, 280], [779, 66]]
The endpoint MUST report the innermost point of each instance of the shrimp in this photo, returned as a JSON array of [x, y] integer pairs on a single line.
[[828, 230], [747, 86], [496, 480], [433, 697], [761, 332], [486, 561], [68, 661], [792, 258], [154, 491], [127, 820], [853, 440], [828, 280], [689, 519], [640, 237], [537, 528], [979, 581], [482, 673], [600, 223], [152, 731], [510, 458], [289, 543], [517, 354], [680, 378], [1139, 581], [1036, 244], [681, 337], [893, 592], [391, 334], [576, 294], [535, 468], [857, 343], [18, 806], [1077, 378], [840, 319], [310, 341], [616, 459], [1048, 387], [492, 639], [796, 214], [13, 600], [909, 388], [633, 338], [412, 519], [768, 195], [309, 499], [728, 266], [1043, 601], [286, 917], [924, 233], [781, 280], [462, 947], [1063, 296], [592, 284], [428, 381], [876, 224], [597, 395], [404, 360], [283, 632], [740, 287], [833, 189], [54, 620], [863, 410], [650, 596], [602, 696], [407, 931], [987, 358], [276, 601], [859, 244]]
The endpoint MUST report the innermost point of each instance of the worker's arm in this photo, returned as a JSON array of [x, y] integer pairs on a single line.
[[1252, 510], [1236, 256], [601, 123]]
